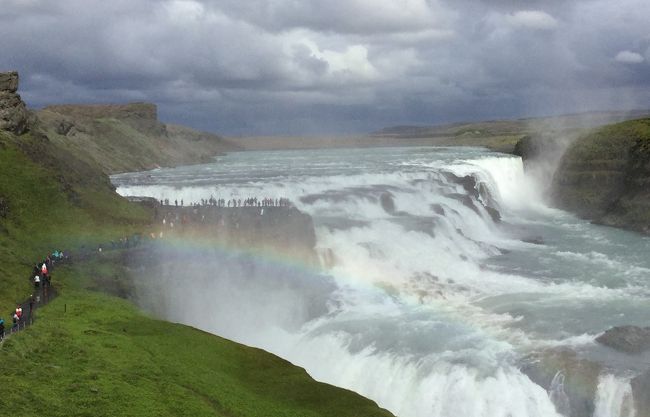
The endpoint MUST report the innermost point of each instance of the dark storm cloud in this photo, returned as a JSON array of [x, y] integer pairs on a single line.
[[278, 66]]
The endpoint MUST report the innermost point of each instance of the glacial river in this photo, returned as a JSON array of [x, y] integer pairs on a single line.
[[426, 302]]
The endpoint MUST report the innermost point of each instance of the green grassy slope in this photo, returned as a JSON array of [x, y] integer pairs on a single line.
[[605, 176], [102, 358], [53, 200]]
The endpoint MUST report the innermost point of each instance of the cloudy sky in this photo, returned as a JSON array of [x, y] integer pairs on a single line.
[[331, 66]]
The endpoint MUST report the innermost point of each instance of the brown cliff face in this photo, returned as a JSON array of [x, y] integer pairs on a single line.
[[14, 116]]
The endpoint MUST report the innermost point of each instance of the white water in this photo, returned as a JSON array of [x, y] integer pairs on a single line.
[[428, 314], [614, 398]]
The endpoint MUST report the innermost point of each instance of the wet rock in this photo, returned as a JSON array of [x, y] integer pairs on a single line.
[[465, 200], [641, 393], [468, 182], [494, 213], [387, 202], [14, 116], [535, 240], [438, 209], [628, 339], [571, 381]]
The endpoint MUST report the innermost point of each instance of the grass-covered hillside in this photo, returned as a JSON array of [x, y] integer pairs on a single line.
[[605, 176], [90, 354], [128, 137], [51, 199]]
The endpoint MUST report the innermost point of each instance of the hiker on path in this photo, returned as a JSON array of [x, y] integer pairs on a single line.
[[2, 328], [31, 309], [37, 281], [19, 312], [15, 319]]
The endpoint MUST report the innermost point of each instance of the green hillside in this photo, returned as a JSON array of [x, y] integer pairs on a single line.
[[51, 200]]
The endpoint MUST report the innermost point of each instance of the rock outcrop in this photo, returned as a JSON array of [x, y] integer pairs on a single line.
[[570, 381], [628, 339], [605, 176], [602, 175], [14, 116]]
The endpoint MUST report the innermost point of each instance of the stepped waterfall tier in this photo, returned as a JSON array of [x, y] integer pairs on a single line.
[[446, 285]]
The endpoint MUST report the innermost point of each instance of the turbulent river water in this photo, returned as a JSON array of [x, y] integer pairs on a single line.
[[426, 303]]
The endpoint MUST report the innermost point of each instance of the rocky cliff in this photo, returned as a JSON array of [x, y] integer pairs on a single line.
[[14, 116], [604, 176]]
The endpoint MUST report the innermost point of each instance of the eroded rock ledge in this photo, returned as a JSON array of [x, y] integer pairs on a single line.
[[14, 116]]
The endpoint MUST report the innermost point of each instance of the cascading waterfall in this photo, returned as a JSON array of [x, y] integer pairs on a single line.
[[614, 397], [432, 292]]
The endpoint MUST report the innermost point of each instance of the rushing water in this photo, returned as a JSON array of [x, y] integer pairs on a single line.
[[427, 304]]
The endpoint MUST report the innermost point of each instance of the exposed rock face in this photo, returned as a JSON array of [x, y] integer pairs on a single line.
[[476, 190], [9, 81], [628, 339], [387, 202], [570, 381], [14, 116], [605, 176]]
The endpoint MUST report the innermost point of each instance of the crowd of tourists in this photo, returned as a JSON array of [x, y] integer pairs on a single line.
[[41, 278], [233, 202]]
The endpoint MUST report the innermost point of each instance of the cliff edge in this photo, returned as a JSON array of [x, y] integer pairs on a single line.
[[603, 175]]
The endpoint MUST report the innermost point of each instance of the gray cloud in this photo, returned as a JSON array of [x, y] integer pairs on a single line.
[[286, 66]]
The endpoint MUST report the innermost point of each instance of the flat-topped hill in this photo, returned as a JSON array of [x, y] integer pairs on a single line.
[[127, 137]]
